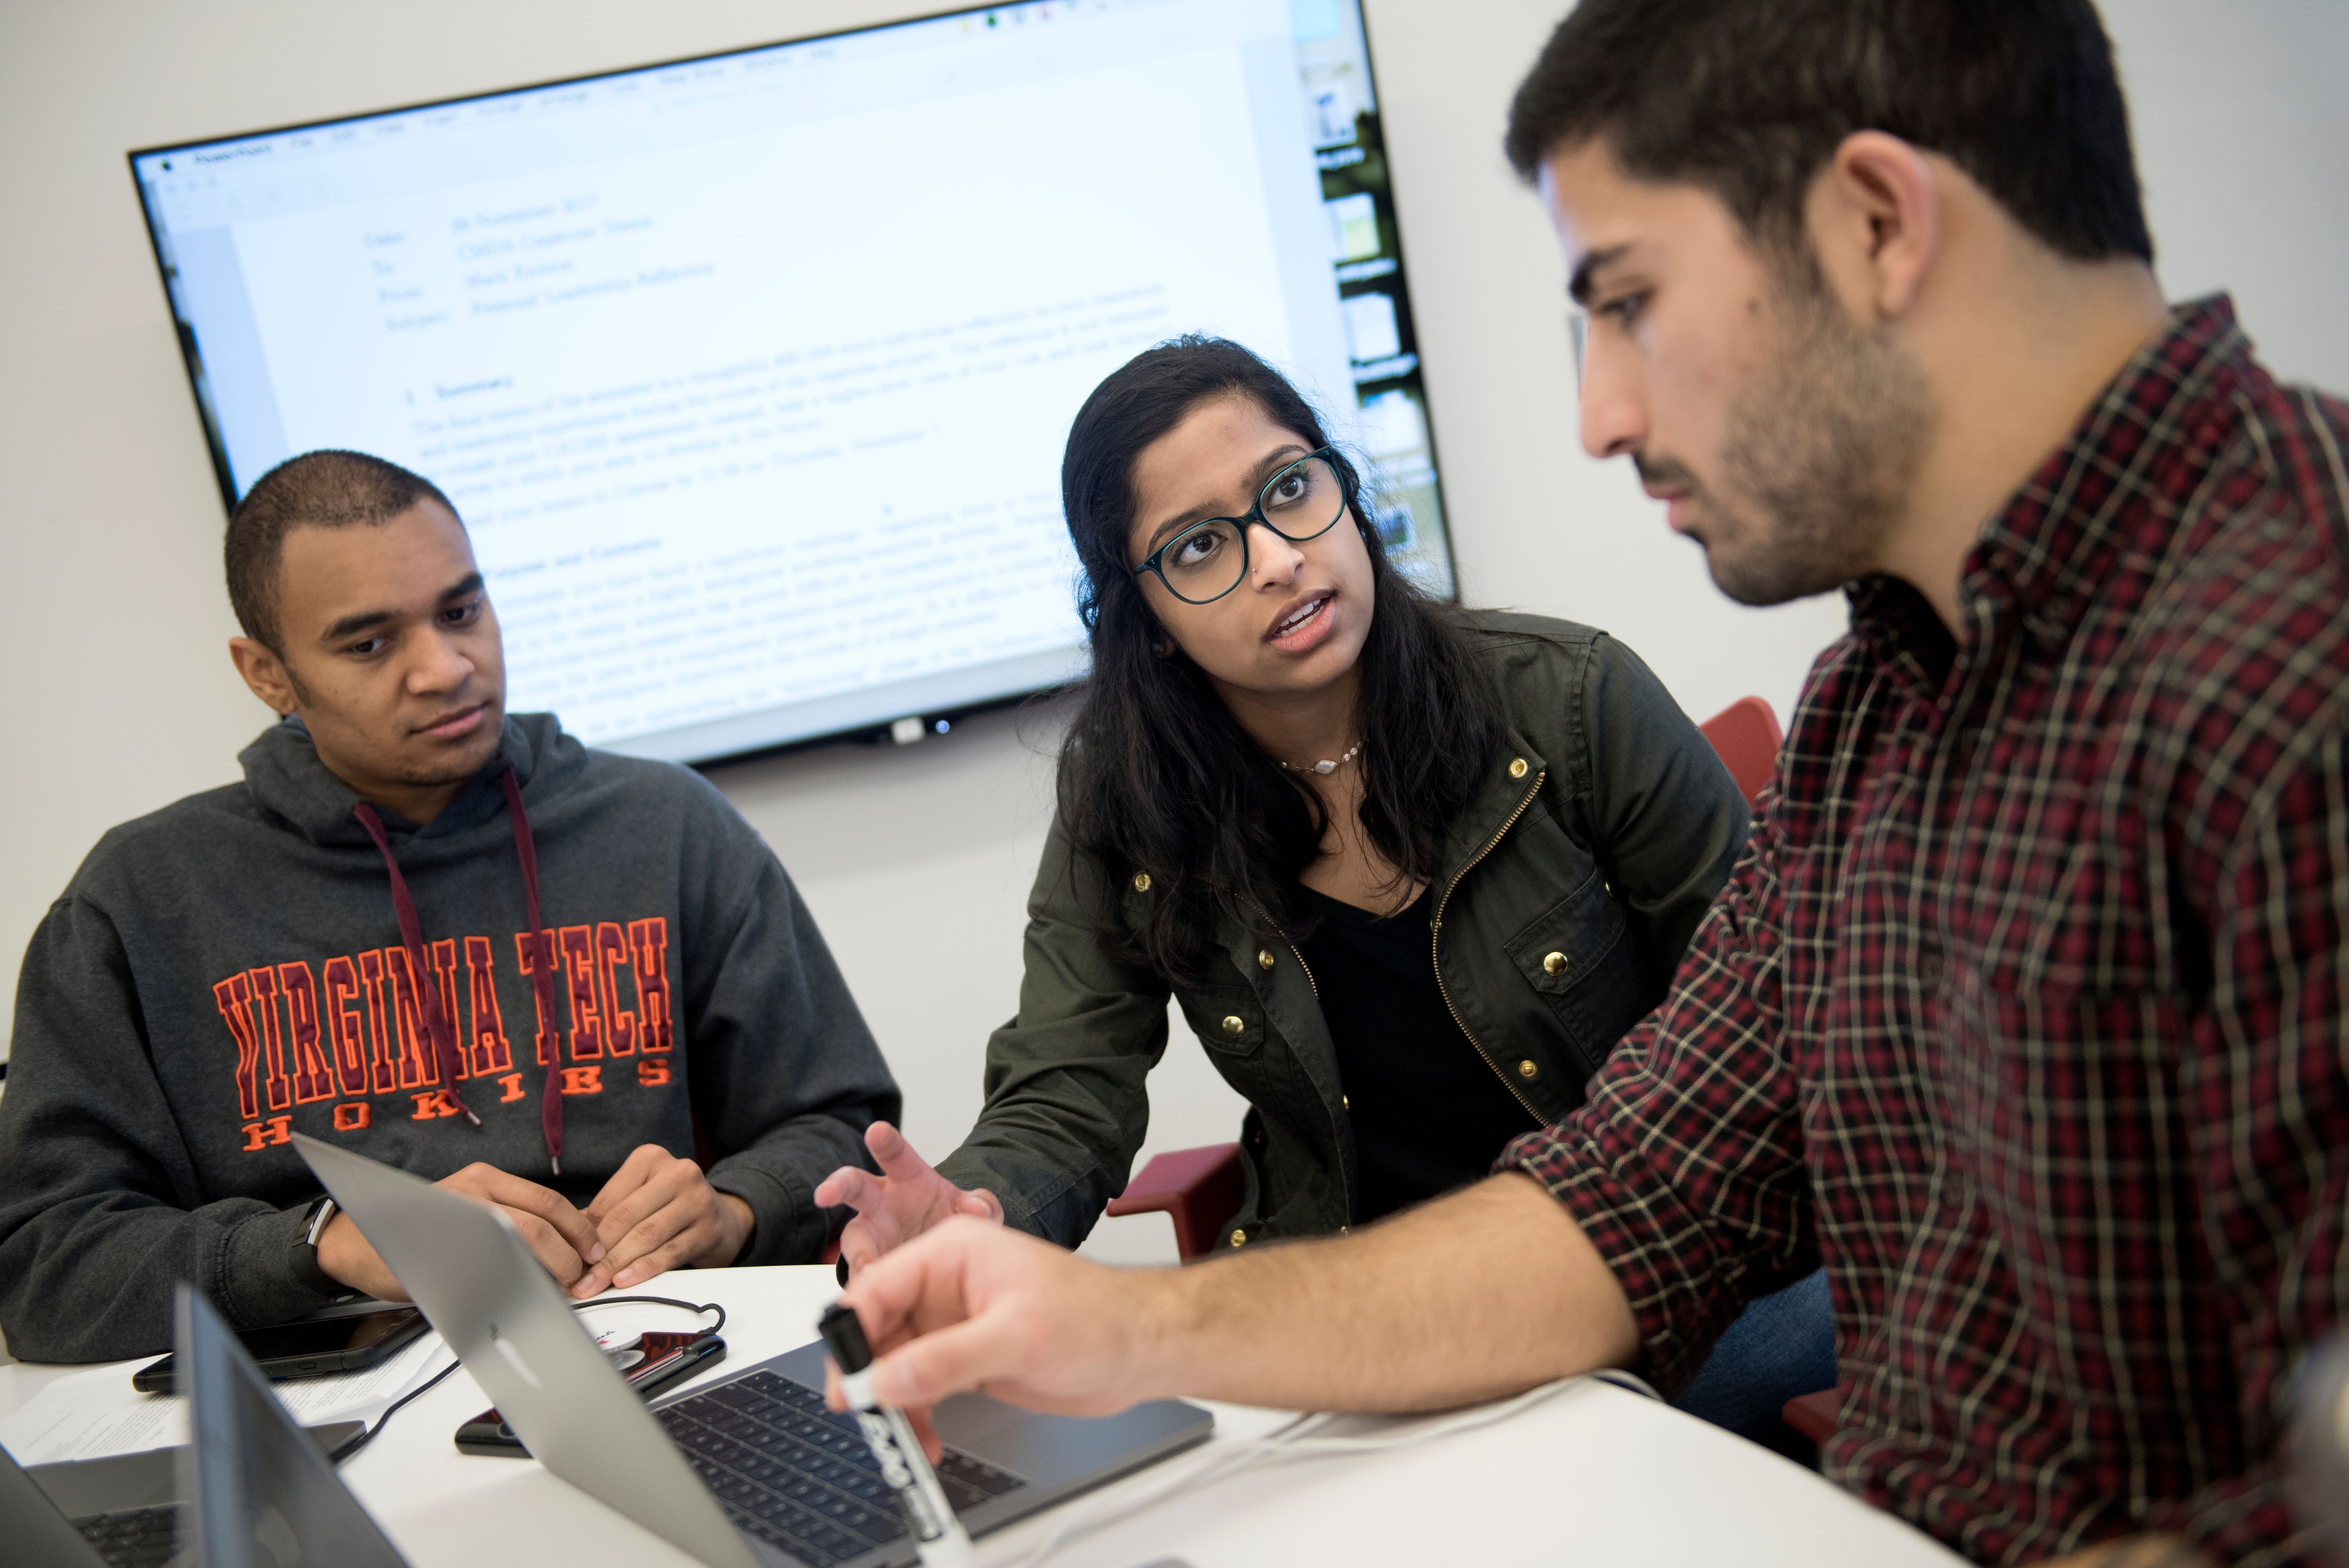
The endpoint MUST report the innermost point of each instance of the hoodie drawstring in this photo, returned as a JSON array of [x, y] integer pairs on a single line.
[[411, 936], [542, 973], [542, 977]]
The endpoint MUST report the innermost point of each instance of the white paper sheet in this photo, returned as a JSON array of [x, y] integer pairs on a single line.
[[89, 1414]]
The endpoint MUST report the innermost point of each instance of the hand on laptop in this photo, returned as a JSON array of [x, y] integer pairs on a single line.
[[907, 1198], [658, 1211], [975, 1306], [559, 1235]]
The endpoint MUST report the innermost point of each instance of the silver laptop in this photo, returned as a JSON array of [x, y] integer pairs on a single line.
[[750, 1470], [251, 1491]]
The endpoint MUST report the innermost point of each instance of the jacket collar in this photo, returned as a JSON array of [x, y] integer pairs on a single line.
[[1512, 773]]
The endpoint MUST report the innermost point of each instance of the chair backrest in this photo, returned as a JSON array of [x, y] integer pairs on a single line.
[[1747, 735]]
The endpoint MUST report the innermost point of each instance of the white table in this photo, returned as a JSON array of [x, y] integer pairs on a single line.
[[1594, 1475]]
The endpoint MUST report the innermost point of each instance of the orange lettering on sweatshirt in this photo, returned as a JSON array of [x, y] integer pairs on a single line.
[[233, 997], [648, 941], [346, 1027], [432, 1105], [587, 1010], [260, 1134], [584, 1080], [352, 1115], [651, 1072], [619, 1027], [314, 1078], [273, 1038], [417, 1061], [538, 958], [383, 1063], [487, 1036]]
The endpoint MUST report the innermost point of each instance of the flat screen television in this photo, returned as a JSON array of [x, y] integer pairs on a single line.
[[749, 373]]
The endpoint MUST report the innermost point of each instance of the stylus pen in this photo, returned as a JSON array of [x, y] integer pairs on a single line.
[[938, 1535]]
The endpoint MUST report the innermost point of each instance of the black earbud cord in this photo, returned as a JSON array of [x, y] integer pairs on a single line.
[[366, 1434]]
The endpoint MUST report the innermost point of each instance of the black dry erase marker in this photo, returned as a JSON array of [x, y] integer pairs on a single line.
[[938, 1534]]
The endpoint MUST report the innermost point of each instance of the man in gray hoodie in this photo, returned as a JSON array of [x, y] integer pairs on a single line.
[[453, 939]]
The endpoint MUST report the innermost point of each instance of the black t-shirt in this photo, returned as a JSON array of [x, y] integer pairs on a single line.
[[1429, 1114]]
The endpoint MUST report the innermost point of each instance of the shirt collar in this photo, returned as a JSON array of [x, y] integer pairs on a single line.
[[2116, 484]]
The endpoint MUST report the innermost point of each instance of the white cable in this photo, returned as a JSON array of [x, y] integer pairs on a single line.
[[1293, 1440]]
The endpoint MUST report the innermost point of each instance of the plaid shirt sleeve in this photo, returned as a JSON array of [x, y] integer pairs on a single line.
[[2265, 1082], [1684, 1165]]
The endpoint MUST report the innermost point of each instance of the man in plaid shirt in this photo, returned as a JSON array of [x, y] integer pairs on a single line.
[[2024, 1011]]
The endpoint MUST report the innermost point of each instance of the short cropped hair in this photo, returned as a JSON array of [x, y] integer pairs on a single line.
[[1749, 100], [326, 488]]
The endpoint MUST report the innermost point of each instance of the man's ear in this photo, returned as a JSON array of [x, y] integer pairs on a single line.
[[264, 672], [1875, 217]]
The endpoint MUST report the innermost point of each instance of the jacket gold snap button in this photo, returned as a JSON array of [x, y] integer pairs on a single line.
[[1238, 1237], [1526, 1070], [1142, 882], [1554, 962], [1517, 767], [1264, 959], [1235, 1024]]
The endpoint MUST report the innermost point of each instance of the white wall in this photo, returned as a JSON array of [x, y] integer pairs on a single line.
[[120, 699]]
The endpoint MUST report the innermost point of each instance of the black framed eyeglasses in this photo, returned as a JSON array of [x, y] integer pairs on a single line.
[[1210, 558]]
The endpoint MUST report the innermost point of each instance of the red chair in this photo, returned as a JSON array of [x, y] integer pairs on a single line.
[[1198, 1188], [1813, 1415], [1747, 736], [1201, 1188]]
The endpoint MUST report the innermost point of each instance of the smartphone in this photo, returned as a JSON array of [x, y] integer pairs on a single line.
[[659, 1360], [311, 1348]]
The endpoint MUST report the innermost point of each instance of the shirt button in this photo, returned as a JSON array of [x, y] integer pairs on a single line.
[[1345, 1102], [1142, 882], [1517, 767], [1345, 1230], [1928, 968], [1238, 1237], [1235, 1025], [1555, 963], [1264, 959], [1527, 1069]]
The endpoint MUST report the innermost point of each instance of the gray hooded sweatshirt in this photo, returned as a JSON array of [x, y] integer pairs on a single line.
[[245, 963]]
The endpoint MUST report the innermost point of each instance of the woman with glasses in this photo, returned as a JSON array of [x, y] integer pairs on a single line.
[[1410, 872]]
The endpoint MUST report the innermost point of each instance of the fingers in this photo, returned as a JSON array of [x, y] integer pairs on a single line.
[[511, 1193], [546, 1243], [670, 1217], [980, 1204], [849, 1187], [927, 1429], [859, 1244], [899, 1160], [952, 1360], [634, 1172]]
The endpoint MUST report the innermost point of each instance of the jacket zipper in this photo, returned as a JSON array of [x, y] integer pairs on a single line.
[[1436, 950], [1294, 951]]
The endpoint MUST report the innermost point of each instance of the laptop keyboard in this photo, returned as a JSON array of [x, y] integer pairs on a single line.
[[135, 1538], [794, 1474]]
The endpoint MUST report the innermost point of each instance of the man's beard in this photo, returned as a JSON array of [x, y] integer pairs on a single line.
[[1824, 444]]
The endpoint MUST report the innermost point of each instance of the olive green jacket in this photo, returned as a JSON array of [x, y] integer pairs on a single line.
[[1566, 891]]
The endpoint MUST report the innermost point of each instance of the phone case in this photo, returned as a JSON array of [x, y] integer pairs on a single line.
[[666, 1358], [157, 1377]]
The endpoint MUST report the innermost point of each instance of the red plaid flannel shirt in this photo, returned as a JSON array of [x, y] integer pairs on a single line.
[[2024, 1010]]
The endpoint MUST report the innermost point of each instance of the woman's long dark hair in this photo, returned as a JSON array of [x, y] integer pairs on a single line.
[[1157, 777]]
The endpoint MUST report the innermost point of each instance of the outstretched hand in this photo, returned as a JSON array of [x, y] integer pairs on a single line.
[[907, 1198], [974, 1306]]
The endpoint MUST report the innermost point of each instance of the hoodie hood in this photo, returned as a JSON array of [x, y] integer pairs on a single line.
[[285, 778]]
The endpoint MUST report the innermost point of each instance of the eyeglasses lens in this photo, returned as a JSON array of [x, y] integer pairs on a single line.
[[1300, 502]]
